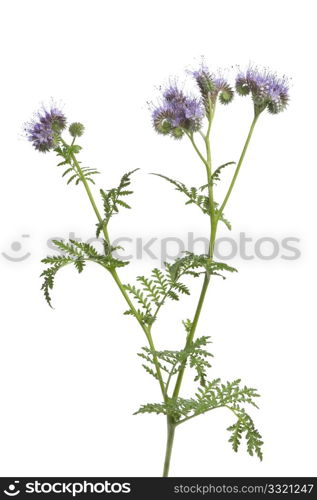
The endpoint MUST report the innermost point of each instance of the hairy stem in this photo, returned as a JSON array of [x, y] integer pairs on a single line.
[[146, 330], [192, 333], [213, 231], [213, 228], [169, 445], [115, 276], [234, 178]]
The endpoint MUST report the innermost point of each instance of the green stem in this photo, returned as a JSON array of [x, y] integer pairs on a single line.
[[212, 109], [213, 222], [224, 203], [114, 273], [144, 328], [213, 230], [192, 333], [87, 188], [169, 445], [189, 340], [203, 159], [169, 378], [197, 414]]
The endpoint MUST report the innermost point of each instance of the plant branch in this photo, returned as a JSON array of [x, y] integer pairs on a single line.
[[213, 230], [225, 201], [114, 273]]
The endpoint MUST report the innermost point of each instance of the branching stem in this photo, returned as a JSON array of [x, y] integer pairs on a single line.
[[214, 218], [213, 231]]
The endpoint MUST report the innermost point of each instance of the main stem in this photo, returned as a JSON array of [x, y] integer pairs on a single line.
[[169, 445], [214, 218], [212, 238]]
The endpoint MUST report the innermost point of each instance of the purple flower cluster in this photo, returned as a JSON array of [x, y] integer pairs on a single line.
[[212, 86], [177, 113], [45, 128], [267, 90]]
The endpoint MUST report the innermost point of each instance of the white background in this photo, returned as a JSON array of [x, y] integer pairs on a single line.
[[70, 377]]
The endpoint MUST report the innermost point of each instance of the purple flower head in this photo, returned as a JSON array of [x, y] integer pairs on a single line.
[[267, 90], [211, 87], [177, 113], [45, 128]]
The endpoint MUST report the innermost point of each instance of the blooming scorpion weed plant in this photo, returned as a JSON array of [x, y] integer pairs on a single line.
[[182, 117]]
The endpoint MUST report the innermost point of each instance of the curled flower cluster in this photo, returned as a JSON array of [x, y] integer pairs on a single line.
[[177, 113], [212, 86], [45, 128], [267, 90]]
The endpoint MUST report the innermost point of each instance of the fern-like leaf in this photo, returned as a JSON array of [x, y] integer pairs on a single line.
[[173, 361], [216, 175], [212, 396], [191, 193], [245, 425], [74, 175], [195, 197], [77, 253], [163, 285], [112, 198], [49, 274]]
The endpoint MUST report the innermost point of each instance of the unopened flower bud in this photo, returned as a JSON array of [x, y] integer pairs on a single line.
[[76, 129], [177, 133]]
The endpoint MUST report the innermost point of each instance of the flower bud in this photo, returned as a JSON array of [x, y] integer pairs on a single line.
[[226, 95], [212, 86], [177, 133], [76, 129], [242, 86]]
